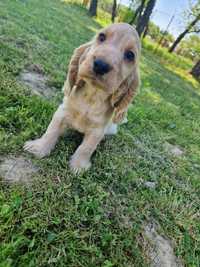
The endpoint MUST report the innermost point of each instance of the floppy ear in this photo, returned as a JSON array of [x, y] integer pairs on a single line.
[[73, 68], [124, 95]]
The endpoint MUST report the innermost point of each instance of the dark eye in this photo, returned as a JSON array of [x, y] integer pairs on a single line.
[[129, 55], [102, 37]]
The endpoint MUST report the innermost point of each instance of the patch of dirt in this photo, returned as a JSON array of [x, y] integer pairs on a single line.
[[17, 169], [173, 150], [35, 79], [159, 248]]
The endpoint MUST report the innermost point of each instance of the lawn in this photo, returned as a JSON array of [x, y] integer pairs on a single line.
[[97, 218]]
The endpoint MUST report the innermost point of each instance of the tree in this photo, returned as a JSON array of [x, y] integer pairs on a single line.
[[146, 30], [114, 10], [143, 20], [154, 31], [138, 12], [196, 70], [93, 8], [190, 47], [167, 39], [124, 13], [193, 25]]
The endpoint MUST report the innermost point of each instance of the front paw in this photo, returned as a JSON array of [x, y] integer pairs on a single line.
[[39, 147], [79, 164]]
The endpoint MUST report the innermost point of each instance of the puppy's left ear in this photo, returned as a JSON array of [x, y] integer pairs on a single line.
[[124, 95], [78, 55]]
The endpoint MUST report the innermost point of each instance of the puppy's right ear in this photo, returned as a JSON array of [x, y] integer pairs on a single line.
[[73, 67], [123, 96]]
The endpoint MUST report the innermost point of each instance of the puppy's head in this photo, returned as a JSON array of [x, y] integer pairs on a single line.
[[111, 58]]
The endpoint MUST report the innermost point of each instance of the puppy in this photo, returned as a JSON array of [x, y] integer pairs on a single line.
[[102, 80]]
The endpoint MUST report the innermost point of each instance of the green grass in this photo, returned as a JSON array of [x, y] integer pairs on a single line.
[[95, 219], [171, 58]]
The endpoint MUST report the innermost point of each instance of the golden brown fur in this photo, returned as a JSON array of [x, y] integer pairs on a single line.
[[92, 102]]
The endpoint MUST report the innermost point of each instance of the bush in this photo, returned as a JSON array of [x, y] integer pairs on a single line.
[[125, 14]]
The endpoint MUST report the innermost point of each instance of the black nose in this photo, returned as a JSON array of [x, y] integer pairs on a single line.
[[100, 67]]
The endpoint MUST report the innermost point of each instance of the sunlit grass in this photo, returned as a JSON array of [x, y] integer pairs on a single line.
[[184, 74], [163, 53]]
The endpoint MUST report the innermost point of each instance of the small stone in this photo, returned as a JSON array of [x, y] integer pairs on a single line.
[[173, 149], [150, 185], [17, 169]]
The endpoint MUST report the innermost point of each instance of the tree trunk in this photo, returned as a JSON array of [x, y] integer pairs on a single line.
[[93, 8], [182, 35], [141, 11], [196, 70], [144, 19], [114, 10], [146, 31], [177, 41], [138, 12]]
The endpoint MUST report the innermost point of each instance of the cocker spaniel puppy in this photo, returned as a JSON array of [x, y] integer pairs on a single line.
[[103, 77]]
